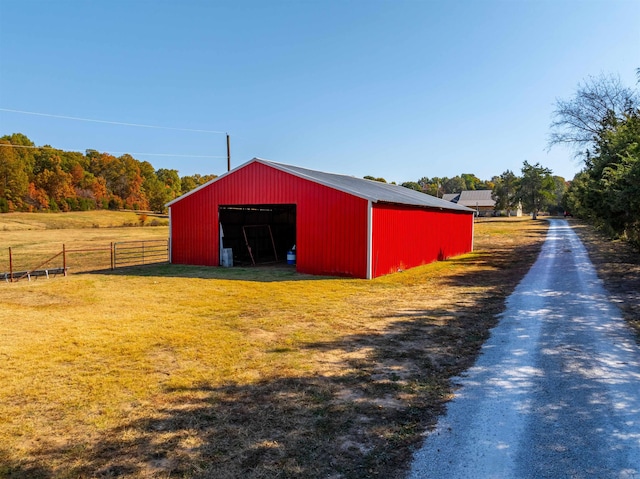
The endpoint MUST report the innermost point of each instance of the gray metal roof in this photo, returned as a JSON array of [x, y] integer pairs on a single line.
[[374, 191], [472, 198], [371, 190]]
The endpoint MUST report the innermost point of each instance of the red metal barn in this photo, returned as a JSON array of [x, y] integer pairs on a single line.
[[340, 225]]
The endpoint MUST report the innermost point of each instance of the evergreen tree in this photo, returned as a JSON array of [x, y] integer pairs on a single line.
[[535, 188], [505, 192]]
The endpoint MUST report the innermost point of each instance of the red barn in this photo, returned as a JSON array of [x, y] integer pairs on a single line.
[[339, 225]]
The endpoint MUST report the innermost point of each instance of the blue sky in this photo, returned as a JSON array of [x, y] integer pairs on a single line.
[[394, 89]]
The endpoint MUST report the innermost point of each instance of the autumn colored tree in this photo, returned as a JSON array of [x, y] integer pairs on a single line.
[[57, 185], [37, 199], [14, 179], [45, 178]]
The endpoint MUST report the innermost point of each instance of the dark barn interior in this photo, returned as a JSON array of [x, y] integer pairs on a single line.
[[258, 234]]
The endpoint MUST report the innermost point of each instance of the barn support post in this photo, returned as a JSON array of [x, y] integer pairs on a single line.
[[369, 273], [10, 265], [473, 232], [170, 243]]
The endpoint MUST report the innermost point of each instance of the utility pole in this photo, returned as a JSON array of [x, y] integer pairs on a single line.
[[228, 154]]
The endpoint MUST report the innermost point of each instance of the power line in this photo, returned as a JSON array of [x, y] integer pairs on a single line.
[[178, 155], [110, 122]]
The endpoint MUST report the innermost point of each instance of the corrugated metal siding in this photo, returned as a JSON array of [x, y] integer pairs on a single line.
[[405, 237], [194, 234], [331, 226]]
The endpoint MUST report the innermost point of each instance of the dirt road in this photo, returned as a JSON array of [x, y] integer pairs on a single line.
[[556, 390]]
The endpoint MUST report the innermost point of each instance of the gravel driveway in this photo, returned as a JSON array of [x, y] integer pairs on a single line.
[[556, 390]]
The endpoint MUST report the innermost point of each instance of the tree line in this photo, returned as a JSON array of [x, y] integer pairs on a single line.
[[439, 186], [602, 123], [48, 179], [536, 190]]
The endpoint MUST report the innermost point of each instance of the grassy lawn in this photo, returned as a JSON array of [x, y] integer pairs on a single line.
[[175, 371]]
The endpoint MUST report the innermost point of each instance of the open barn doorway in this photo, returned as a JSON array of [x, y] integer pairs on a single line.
[[257, 234]]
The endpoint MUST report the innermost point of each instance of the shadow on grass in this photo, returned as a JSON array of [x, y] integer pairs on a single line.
[[260, 273], [362, 421], [358, 424]]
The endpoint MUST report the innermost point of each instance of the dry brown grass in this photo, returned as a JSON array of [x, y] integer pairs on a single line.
[[173, 371], [618, 265], [73, 220]]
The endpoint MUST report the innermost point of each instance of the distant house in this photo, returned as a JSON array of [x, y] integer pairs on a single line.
[[479, 200]]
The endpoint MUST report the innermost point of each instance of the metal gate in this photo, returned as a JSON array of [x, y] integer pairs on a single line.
[[134, 253]]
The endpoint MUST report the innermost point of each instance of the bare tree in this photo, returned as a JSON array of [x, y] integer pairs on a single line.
[[596, 107]]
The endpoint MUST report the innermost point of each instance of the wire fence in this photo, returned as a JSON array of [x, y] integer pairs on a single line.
[[18, 263]]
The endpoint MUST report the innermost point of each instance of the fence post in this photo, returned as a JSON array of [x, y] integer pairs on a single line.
[[10, 265], [111, 249], [64, 259]]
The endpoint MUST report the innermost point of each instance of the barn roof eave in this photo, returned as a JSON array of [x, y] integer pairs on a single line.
[[462, 209]]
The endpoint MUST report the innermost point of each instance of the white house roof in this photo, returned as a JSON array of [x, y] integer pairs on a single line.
[[373, 191]]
